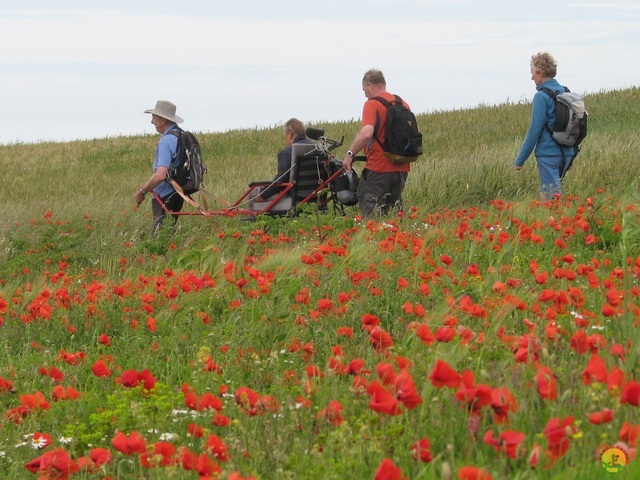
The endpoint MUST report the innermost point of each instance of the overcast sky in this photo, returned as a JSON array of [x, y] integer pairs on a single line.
[[82, 69]]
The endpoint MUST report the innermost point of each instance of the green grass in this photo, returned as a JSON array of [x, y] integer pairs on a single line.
[[225, 304]]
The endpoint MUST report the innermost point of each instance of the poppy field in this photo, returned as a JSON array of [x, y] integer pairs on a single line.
[[469, 343]]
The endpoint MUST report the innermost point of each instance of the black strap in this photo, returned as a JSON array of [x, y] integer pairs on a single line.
[[387, 104], [177, 131], [564, 167]]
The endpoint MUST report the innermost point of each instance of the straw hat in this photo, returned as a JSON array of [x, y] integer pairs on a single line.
[[166, 110]]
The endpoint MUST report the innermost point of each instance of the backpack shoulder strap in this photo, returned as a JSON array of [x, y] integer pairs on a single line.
[[177, 132], [387, 104], [549, 92], [553, 94]]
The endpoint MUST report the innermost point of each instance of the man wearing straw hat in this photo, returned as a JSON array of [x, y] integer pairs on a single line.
[[164, 118]]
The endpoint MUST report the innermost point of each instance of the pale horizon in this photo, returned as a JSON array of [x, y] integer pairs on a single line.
[[78, 72]]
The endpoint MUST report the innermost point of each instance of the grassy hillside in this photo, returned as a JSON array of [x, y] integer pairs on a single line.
[[499, 340], [468, 160]]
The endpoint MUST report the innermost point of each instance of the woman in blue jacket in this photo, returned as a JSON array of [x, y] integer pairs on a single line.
[[549, 156]]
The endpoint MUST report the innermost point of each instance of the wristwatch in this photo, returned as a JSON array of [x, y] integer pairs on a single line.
[[349, 153], [142, 191]]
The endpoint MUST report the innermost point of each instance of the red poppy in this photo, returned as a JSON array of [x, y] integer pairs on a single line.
[[332, 413], [195, 430], [100, 369], [615, 381], [268, 403], [604, 416], [220, 420], [579, 343], [421, 450], [5, 385], [129, 378], [325, 304], [386, 373], [346, 331], [388, 471], [97, 458], [161, 454], [61, 393], [134, 443], [507, 442], [546, 383], [247, 399], [71, 358], [205, 401], [151, 324], [406, 390], [34, 401], [629, 433], [473, 473], [207, 468], [534, 456], [52, 372], [503, 402], [446, 259], [314, 371], [382, 401], [557, 433], [614, 297], [217, 448], [53, 465], [631, 393], [370, 319], [617, 350], [595, 371], [380, 338], [473, 396], [187, 458], [445, 334], [442, 375]]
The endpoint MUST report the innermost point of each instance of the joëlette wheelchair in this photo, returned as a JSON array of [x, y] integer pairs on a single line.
[[315, 178]]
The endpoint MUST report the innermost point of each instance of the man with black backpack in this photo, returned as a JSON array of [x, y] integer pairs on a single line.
[[164, 118], [385, 173]]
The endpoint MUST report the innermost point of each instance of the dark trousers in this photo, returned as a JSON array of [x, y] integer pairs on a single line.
[[379, 192], [173, 202]]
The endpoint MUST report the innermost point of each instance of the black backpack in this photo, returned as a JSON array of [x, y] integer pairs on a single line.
[[403, 141], [187, 168], [571, 117]]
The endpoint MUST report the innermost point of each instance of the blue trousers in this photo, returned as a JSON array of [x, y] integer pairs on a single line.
[[551, 170]]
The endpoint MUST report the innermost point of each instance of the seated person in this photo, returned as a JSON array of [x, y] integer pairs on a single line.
[[294, 132]]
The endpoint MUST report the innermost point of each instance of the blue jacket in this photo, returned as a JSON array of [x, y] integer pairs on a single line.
[[538, 137]]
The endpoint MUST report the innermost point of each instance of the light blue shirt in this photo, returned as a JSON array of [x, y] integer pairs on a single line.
[[165, 154]]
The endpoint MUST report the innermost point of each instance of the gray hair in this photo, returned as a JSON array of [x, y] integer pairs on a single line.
[[375, 77], [295, 126], [544, 63]]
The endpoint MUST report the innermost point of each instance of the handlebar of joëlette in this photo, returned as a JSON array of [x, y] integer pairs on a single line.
[[318, 134]]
